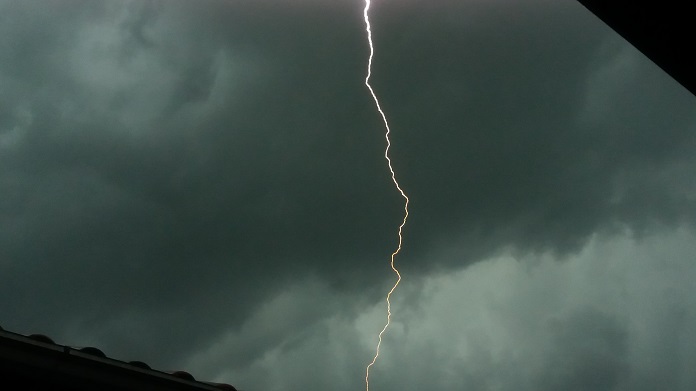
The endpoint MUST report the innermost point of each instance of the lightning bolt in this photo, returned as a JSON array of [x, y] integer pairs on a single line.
[[396, 183]]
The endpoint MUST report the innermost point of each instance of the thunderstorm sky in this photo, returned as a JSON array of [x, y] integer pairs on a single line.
[[200, 185]]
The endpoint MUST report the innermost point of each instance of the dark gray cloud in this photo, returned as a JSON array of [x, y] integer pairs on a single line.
[[158, 166], [169, 170], [615, 316], [542, 155]]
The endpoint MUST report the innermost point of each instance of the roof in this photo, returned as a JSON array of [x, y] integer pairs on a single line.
[[35, 361]]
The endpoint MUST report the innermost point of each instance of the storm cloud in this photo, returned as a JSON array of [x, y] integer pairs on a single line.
[[202, 185]]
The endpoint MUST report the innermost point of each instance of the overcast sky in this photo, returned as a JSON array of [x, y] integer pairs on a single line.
[[201, 185]]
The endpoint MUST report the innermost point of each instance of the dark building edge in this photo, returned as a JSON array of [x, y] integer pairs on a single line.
[[35, 362]]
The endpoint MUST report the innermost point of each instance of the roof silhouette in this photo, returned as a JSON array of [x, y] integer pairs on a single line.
[[36, 362]]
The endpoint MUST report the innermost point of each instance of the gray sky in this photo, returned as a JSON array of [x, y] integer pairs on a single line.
[[200, 185]]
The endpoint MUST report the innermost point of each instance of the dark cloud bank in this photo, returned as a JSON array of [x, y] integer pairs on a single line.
[[202, 184]]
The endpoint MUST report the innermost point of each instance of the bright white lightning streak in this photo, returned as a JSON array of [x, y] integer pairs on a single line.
[[393, 176]]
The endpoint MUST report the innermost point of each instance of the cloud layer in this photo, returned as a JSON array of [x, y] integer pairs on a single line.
[[204, 185]]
